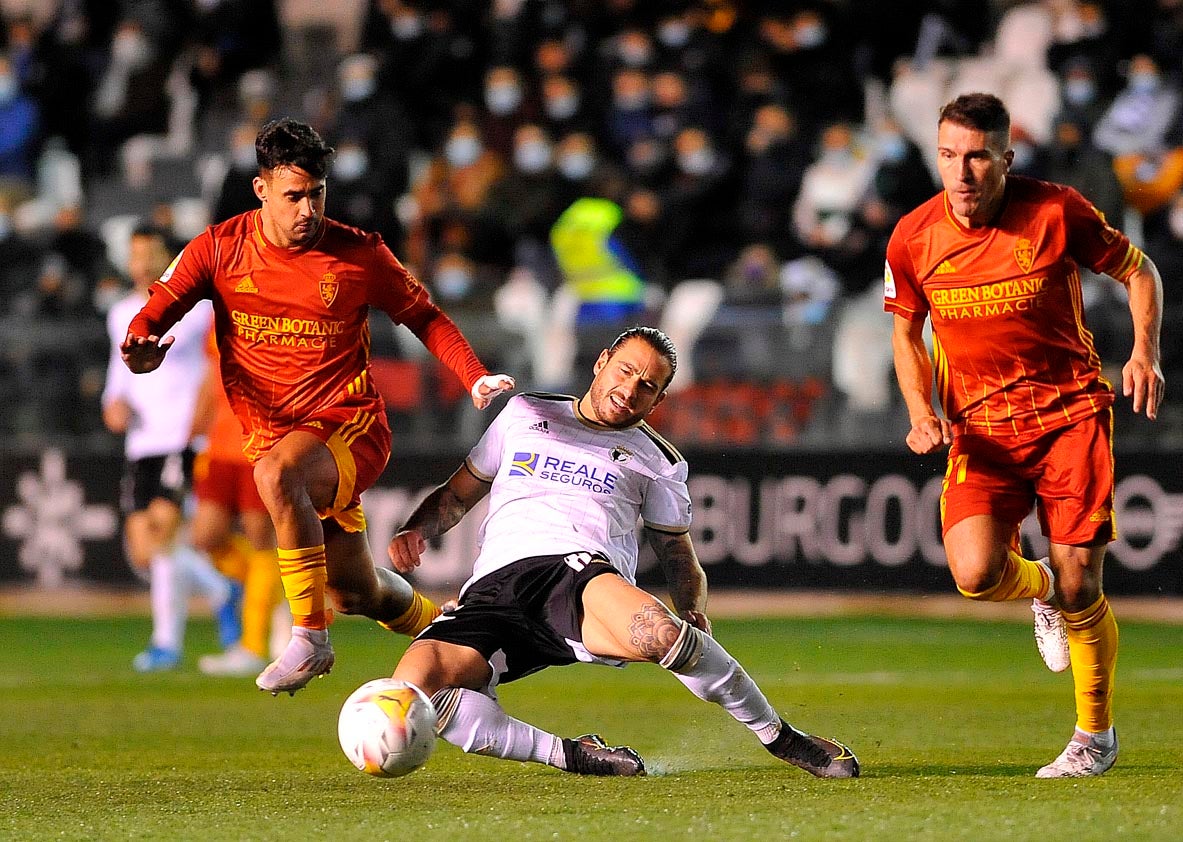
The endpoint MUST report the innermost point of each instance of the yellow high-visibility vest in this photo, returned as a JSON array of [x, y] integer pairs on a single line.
[[579, 238]]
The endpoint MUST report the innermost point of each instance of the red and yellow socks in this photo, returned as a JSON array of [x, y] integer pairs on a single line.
[[304, 578], [1092, 642]]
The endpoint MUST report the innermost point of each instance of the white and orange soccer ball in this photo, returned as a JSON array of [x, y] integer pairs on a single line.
[[387, 728]]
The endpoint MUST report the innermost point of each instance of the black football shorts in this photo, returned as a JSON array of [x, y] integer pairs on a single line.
[[527, 611]]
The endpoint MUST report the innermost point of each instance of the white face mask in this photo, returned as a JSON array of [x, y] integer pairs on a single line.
[[561, 107], [698, 162], [811, 35], [453, 282], [674, 34], [1079, 91], [357, 89], [406, 27], [131, 50], [462, 150], [532, 156], [503, 99], [576, 165], [350, 164]]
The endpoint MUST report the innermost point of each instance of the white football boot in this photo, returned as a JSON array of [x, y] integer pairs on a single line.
[[1085, 756], [308, 654], [1051, 633], [236, 660]]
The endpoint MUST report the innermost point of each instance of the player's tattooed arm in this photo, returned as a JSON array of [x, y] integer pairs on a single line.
[[683, 574], [442, 509]]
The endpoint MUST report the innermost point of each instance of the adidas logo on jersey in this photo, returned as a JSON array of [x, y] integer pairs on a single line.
[[946, 268], [540, 426], [247, 284]]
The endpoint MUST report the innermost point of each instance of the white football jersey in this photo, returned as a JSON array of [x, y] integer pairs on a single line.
[[162, 401], [562, 485]]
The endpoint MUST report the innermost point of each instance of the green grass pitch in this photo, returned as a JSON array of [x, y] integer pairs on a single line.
[[950, 719]]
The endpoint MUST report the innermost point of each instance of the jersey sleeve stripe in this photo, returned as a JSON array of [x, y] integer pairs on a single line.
[[666, 530], [668, 450], [472, 470]]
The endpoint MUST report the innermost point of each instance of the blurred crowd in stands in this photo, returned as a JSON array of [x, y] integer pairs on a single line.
[[737, 167]]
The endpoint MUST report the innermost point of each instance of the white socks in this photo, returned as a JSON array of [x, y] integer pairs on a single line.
[[477, 724], [169, 600], [717, 677]]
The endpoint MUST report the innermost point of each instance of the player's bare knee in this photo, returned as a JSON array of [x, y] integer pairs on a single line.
[[685, 651], [278, 482], [653, 632], [975, 584]]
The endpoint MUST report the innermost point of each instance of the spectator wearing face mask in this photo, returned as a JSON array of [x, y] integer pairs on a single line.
[[377, 121], [1082, 100], [900, 181], [451, 192], [19, 133], [507, 104], [630, 113], [131, 98], [520, 208], [236, 195], [580, 167], [562, 109], [356, 197], [1143, 112], [773, 164], [698, 207], [825, 214], [807, 55]]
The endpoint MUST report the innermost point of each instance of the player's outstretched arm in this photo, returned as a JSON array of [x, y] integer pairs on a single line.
[[142, 354], [486, 388], [442, 509], [1141, 377], [684, 575]]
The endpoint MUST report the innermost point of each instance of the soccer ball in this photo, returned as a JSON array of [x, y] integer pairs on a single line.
[[387, 728]]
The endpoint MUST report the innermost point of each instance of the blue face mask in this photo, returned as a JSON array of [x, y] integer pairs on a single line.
[[462, 150], [1079, 91], [453, 282], [893, 148], [532, 156], [1143, 83], [576, 165]]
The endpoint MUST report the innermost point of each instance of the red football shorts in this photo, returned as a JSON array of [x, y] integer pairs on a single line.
[[361, 448], [1067, 473], [229, 483]]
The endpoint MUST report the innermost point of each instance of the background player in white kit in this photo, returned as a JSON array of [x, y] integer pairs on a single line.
[[554, 581], [155, 414]]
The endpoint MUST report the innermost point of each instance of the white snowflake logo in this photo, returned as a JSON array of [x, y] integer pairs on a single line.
[[53, 519]]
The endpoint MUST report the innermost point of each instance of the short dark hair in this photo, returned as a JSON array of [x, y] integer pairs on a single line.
[[981, 111], [656, 339], [150, 229], [289, 143]]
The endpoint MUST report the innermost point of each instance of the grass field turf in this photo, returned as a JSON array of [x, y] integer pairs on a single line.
[[950, 719]]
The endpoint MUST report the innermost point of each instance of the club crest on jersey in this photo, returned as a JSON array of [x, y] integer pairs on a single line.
[[620, 455], [524, 465], [328, 288], [1025, 254]]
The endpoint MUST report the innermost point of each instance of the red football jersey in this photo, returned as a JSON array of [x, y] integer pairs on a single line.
[[291, 323], [1012, 354]]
